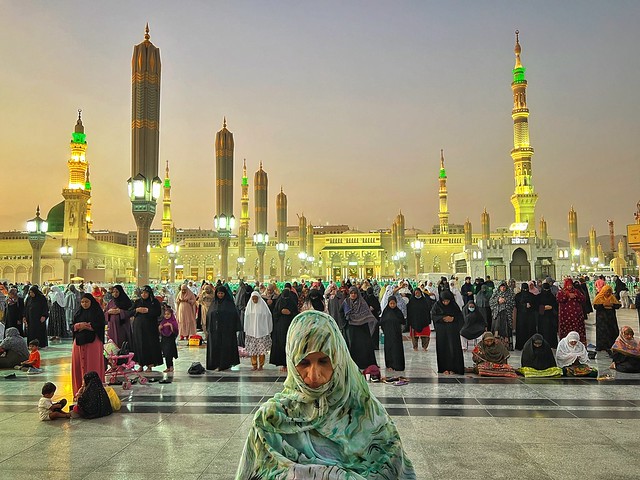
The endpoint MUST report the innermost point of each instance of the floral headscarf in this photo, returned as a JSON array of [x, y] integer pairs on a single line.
[[338, 431], [630, 347]]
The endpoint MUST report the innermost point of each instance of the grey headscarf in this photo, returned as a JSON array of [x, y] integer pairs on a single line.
[[14, 342]]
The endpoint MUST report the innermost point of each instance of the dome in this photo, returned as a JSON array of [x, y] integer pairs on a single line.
[[55, 218]]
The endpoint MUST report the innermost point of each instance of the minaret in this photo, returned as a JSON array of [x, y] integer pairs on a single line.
[[600, 254], [593, 245], [87, 188], [442, 193], [544, 235], [302, 233], [243, 231], [281, 230], [76, 197], [573, 231], [310, 239], [468, 234], [167, 223], [224, 220], [486, 225], [400, 232], [144, 184], [261, 237], [224, 171], [524, 197]]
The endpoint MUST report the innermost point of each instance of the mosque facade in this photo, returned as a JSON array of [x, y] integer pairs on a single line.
[[521, 251]]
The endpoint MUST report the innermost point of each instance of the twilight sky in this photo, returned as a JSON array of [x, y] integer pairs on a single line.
[[347, 104]]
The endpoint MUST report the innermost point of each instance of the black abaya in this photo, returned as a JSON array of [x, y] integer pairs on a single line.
[[392, 323], [626, 363], [281, 322], [607, 330], [223, 321], [145, 335], [14, 314], [448, 346], [36, 308], [526, 317], [548, 318]]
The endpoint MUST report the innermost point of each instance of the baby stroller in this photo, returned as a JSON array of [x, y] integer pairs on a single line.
[[120, 364]]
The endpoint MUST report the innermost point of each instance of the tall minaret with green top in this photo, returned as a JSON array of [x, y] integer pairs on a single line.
[[524, 197], [243, 231], [167, 222], [443, 215], [76, 195]]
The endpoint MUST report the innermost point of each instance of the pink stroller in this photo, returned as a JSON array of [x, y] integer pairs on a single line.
[[121, 365]]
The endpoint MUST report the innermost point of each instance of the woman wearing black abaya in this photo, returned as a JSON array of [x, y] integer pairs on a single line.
[[374, 306], [15, 311], [447, 318], [222, 324], [502, 305], [526, 315], [548, 315], [419, 319], [537, 354], [286, 308], [392, 323], [146, 342], [36, 311], [360, 326]]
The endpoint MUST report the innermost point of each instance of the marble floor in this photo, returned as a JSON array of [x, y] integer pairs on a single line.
[[453, 427]]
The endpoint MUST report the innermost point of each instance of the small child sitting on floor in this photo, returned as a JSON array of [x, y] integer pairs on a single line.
[[32, 364], [46, 408]]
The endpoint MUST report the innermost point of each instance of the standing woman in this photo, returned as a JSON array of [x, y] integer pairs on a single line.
[[204, 300], [222, 324], [36, 311], [548, 315], [116, 314], [15, 311], [88, 340], [186, 312], [526, 316], [447, 318], [258, 324], [607, 330], [146, 343], [570, 314], [419, 319], [360, 325], [286, 307], [502, 305], [71, 304], [374, 305], [483, 297], [57, 318], [392, 322]]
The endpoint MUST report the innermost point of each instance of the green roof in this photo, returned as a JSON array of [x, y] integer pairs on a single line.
[[78, 137], [55, 218]]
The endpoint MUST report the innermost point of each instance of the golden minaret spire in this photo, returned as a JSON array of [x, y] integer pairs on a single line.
[[167, 222]]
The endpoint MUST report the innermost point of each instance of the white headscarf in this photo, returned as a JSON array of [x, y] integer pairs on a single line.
[[56, 295], [257, 317], [566, 354]]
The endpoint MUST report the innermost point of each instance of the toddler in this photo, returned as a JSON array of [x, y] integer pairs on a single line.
[[32, 364], [169, 331], [46, 408]]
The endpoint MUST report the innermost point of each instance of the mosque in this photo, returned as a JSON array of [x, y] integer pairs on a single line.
[[297, 251]]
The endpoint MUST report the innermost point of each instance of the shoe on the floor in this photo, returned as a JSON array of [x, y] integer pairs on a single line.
[[11, 376]]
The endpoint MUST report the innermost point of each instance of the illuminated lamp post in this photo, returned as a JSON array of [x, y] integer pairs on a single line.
[[282, 248], [66, 253], [172, 251], [37, 229], [224, 225], [303, 257], [260, 240], [417, 245], [143, 195]]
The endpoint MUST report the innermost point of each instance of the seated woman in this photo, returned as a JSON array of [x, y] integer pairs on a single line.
[[490, 357], [572, 357], [537, 359], [13, 349], [626, 352], [325, 423], [93, 400]]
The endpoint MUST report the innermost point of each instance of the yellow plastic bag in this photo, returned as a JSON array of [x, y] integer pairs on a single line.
[[114, 399]]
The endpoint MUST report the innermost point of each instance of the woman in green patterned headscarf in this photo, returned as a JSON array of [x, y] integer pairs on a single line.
[[335, 431]]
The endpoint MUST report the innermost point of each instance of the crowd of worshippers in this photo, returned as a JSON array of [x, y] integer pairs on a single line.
[[487, 320]]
